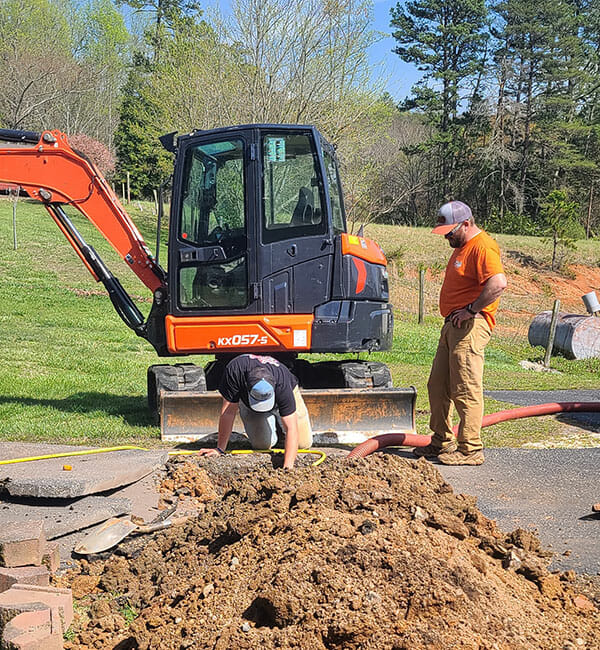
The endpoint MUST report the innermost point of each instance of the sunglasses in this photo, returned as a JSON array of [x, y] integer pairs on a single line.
[[454, 230]]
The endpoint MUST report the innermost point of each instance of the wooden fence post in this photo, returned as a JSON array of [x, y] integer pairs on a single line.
[[15, 194], [551, 333], [128, 190], [421, 296]]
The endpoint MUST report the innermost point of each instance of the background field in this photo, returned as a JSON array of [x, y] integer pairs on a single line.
[[72, 372]]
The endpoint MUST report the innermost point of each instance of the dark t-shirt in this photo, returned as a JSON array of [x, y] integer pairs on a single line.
[[234, 386]]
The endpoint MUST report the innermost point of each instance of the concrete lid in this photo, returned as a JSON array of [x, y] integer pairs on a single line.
[[89, 474], [62, 518]]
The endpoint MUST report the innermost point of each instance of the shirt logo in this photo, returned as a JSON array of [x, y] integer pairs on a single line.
[[264, 360], [457, 264]]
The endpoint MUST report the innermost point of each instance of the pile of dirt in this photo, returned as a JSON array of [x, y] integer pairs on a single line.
[[187, 482], [367, 553]]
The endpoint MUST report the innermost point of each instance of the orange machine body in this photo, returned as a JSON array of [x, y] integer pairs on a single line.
[[237, 334], [343, 317], [52, 173]]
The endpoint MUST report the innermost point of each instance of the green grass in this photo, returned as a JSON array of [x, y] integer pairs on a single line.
[[129, 613], [71, 372]]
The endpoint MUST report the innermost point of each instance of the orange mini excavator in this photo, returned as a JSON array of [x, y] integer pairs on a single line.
[[259, 261]]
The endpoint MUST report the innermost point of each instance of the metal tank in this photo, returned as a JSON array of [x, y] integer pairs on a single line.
[[577, 336]]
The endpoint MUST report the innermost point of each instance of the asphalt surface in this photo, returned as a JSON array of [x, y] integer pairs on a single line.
[[73, 476], [57, 496], [549, 490]]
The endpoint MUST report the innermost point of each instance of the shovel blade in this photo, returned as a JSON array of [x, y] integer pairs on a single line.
[[105, 536]]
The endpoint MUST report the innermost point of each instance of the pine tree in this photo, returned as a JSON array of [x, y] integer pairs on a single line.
[[446, 40], [141, 123], [560, 224], [143, 117]]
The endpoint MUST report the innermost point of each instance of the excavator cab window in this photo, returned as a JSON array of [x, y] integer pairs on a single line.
[[292, 188], [213, 193], [335, 193], [213, 223]]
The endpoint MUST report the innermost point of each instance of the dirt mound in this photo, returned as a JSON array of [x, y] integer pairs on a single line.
[[369, 553], [190, 483]]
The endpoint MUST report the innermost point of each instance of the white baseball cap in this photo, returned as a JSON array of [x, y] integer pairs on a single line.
[[451, 214]]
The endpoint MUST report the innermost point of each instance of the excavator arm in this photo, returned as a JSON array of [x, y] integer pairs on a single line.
[[56, 175]]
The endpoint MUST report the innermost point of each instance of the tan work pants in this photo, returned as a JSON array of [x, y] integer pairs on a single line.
[[457, 379], [261, 428]]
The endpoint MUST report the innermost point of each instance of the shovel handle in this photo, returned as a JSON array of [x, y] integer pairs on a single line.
[[162, 525]]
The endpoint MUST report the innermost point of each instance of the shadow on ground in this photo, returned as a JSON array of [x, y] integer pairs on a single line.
[[133, 410]]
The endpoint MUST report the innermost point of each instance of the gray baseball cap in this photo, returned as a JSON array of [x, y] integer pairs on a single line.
[[451, 214], [261, 396]]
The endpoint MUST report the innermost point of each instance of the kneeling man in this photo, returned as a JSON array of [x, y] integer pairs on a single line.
[[265, 392]]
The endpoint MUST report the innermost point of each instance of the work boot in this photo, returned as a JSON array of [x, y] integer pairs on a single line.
[[460, 458], [433, 451]]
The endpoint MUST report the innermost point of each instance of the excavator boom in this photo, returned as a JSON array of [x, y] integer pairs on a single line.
[[54, 174]]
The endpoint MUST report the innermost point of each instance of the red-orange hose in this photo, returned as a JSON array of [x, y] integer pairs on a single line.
[[539, 409], [413, 440], [387, 440]]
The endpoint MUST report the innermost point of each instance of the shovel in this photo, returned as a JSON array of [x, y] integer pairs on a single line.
[[111, 532]]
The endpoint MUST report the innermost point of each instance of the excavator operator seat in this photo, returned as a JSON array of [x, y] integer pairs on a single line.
[[304, 211]]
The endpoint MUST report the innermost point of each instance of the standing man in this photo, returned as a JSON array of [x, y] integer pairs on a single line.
[[265, 392], [469, 298]]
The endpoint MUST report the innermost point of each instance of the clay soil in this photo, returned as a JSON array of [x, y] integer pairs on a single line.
[[366, 553]]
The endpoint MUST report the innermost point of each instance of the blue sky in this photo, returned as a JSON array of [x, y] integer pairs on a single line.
[[399, 76]]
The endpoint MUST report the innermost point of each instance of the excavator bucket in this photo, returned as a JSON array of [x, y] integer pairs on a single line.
[[339, 415]]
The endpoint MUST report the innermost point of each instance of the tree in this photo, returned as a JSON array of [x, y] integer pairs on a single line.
[[102, 47], [304, 61], [297, 61], [165, 17], [387, 180], [539, 60], [560, 223], [33, 77], [147, 107], [75, 84], [446, 40], [139, 152], [97, 152]]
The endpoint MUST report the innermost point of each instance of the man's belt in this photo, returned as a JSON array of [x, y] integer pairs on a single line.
[[448, 318]]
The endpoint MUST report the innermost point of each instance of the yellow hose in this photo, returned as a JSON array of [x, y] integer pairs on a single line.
[[67, 454], [322, 454]]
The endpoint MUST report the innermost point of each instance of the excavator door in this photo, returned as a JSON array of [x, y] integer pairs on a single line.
[[297, 240], [212, 252], [251, 241]]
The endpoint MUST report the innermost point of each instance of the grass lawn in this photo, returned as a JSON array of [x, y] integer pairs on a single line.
[[72, 372]]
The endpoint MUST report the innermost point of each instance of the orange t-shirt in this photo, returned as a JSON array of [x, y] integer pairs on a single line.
[[469, 268]]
